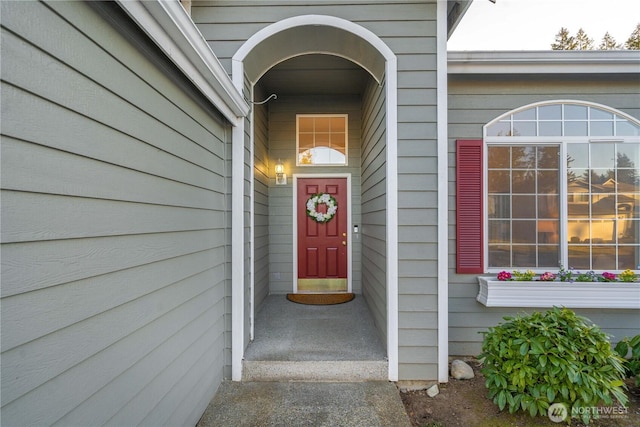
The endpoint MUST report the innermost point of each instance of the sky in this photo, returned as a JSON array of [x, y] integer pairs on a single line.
[[533, 24]]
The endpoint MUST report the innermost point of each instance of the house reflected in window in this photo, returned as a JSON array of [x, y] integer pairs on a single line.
[[585, 214]]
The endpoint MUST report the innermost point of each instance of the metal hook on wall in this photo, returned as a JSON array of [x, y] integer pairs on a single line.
[[272, 96]]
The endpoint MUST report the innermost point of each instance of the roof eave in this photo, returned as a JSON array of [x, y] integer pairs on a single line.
[[173, 31], [455, 11], [544, 62]]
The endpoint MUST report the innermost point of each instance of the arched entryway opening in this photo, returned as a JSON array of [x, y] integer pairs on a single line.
[[325, 66]]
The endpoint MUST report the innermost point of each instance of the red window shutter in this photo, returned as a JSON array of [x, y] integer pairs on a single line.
[[469, 212]]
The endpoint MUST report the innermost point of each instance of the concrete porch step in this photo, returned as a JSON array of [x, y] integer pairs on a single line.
[[335, 370]]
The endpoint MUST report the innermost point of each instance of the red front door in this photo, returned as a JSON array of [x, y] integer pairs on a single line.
[[322, 245]]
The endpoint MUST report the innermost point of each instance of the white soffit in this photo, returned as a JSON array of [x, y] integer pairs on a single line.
[[544, 62]]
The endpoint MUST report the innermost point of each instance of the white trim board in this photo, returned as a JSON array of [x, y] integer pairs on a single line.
[[392, 218], [237, 237], [349, 225], [237, 252], [252, 223], [443, 192]]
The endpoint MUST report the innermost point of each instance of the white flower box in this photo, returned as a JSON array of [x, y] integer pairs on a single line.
[[495, 293]]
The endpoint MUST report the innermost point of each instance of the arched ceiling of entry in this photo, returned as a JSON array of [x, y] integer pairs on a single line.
[[315, 75], [313, 39]]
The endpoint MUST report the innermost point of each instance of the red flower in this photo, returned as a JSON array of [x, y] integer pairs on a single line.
[[504, 276]]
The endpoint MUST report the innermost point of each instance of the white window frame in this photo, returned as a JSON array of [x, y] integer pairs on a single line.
[[562, 141], [346, 140]]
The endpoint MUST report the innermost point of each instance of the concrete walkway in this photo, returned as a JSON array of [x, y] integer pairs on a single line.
[[310, 366], [292, 404]]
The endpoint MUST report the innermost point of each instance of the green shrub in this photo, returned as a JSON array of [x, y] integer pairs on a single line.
[[632, 364], [557, 356]]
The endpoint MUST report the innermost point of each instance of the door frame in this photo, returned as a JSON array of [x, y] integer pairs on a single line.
[[295, 224]]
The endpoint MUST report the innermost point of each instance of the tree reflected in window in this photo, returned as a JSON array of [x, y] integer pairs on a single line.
[[529, 211]]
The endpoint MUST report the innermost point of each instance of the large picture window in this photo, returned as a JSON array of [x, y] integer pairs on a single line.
[[321, 139], [562, 187]]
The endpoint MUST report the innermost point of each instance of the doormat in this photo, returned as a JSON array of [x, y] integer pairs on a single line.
[[321, 299]]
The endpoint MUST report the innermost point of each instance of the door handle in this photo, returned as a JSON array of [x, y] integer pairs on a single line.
[[344, 234], [344, 243]]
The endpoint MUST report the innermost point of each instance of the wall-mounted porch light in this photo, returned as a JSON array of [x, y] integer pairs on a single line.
[[281, 177]]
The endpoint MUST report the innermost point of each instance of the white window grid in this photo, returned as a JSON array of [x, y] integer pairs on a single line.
[[562, 140]]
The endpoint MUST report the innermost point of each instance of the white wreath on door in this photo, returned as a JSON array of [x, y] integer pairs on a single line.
[[321, 199]]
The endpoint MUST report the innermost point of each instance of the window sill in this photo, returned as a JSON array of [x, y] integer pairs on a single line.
[[494, 293]]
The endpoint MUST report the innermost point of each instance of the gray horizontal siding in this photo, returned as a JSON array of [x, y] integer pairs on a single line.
[[262, 172], [473, 102], [114, 225], [399, 23], [374, 206], [246, 216]]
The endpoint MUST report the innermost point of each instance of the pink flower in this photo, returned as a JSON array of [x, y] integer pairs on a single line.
[[504, 276], [609, 277], [547, 276]]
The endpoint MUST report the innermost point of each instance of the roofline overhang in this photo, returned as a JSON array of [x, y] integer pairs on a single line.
[[173, 31], [455, 12], [544, 62]]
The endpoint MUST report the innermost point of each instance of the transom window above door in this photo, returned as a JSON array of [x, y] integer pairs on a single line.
[[321, 139], [562, 187]]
